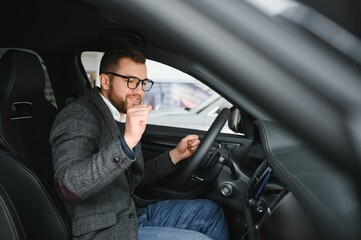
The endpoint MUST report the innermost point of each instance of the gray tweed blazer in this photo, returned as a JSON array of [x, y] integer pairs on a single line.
[[94, 176]]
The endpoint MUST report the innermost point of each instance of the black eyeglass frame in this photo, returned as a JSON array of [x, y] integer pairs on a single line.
[[128, 78]]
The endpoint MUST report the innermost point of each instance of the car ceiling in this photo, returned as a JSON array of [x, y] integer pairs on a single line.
[[23, 22], [66, 24], [345, 12]]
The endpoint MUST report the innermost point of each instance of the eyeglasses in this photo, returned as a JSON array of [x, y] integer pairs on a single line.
[[133, 82]]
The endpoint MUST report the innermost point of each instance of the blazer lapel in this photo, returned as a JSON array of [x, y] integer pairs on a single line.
[[105, 112]]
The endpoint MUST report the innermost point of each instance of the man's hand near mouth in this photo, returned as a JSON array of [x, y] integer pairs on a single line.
[[137, 118]]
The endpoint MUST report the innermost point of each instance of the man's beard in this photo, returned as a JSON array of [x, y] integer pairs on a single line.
[[122, 105]]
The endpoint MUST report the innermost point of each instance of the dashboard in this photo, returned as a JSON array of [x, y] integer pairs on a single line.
[[294, 193]]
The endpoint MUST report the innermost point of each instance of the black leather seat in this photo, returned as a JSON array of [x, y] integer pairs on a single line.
[[26, 171], [39, 210], [26, 115], [11, 228]]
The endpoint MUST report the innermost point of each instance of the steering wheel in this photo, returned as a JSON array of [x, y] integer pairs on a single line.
[[206, 143]]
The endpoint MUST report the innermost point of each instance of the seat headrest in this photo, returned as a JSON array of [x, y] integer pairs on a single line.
[[22, 84], [21, 75]]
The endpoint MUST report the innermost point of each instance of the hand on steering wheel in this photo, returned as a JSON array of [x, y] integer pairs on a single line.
[[194, 163]]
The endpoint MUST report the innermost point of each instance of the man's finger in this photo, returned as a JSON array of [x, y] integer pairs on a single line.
[[149, 108]]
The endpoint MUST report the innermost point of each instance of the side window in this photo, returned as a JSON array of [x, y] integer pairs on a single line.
[[48, 91], [178, 99]]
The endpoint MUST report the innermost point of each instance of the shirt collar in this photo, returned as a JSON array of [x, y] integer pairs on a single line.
[[116, 115]]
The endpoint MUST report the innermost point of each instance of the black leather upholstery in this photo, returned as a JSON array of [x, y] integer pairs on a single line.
[[26, 171], [39, 210], [11, 228], [26, 115]]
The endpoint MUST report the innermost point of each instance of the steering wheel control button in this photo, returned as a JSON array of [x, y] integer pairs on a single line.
[[195, 178], [116, 160], [226, 189]]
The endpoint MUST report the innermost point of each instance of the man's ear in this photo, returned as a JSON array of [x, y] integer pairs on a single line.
[[104, 81]]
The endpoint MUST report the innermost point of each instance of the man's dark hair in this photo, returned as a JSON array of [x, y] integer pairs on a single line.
[[111, 58]]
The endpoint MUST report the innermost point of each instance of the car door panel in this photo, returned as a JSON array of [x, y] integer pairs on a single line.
[[157, 139]]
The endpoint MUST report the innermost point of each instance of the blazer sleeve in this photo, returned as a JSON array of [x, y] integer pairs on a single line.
[[157, 168], [82, 167]]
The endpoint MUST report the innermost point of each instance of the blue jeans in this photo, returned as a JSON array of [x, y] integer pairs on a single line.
[[182, 220]]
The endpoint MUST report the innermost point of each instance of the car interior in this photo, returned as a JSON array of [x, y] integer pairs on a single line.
[[292, 81]]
